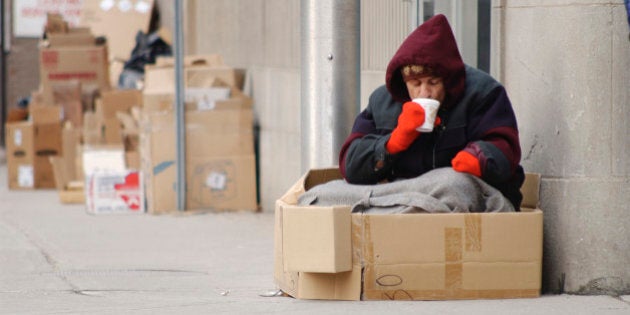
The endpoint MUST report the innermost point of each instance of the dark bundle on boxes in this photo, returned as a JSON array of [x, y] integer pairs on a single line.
[[220, 161]]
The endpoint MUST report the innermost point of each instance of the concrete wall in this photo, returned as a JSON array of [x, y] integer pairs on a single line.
[[566, 66]]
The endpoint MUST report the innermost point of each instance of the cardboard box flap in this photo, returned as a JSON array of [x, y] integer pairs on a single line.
[[291, 196], [320, 176], [212, 60], [59, 172], [531, 191], [70, 39], [317, 239]]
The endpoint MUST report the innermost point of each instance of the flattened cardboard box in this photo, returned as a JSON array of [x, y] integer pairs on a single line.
[[416, 256]]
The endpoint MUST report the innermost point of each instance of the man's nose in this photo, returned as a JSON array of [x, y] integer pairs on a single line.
[[425, 92]]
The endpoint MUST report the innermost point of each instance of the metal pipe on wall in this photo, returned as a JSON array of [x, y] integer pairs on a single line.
[[180, 124], [3, 98], [330, 78]]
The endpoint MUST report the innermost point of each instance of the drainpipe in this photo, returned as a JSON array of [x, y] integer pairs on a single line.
[[180, 124], [3, 85], [330, 78]]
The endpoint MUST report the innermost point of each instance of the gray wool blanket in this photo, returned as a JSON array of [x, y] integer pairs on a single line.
[[442, 190]]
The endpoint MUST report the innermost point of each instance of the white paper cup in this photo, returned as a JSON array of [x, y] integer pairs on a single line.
[[430, 107]]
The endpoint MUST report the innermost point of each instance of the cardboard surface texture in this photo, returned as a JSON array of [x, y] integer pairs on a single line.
[[220, 160], [317, 240], [420, 256]]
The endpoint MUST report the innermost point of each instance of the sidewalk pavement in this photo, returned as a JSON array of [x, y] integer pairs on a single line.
[[57, 259]]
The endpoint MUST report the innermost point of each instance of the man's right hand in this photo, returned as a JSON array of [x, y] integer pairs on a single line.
[[411, 117]]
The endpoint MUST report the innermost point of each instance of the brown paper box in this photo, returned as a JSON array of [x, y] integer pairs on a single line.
[[417, 256], [87, 64], [29, 147], [119, 101], [45, 114], [220, 161], [67, 94], [20, 155], [70, 39]]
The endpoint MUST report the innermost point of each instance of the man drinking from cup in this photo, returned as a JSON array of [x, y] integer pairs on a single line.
[[475, 139]]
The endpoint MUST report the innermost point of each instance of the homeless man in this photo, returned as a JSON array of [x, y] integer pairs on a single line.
[[468, 163]]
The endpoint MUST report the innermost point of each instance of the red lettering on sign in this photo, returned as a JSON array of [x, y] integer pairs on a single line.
[[72, 75]]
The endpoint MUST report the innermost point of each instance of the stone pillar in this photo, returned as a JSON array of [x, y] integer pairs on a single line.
[[566, 66]]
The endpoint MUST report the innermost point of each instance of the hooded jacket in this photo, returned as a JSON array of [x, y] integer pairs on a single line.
[[476, 116]]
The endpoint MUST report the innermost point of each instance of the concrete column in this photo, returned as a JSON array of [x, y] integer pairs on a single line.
[[566, 66], [330, 36]]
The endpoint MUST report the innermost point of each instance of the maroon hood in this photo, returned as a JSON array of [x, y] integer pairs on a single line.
[[432, 44]]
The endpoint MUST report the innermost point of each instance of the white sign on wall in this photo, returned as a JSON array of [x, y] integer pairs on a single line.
[[29, 16]]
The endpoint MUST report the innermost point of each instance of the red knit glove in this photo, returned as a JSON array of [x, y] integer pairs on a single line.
[[466, 163], [411, 117]]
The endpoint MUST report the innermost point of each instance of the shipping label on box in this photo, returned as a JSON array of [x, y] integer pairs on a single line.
[[25, 176], [114, 192]]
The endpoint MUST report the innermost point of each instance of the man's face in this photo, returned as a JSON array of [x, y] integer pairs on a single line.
[[426, 87]]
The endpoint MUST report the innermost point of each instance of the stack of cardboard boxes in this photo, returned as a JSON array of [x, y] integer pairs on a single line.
[[220, 163], [73, 69], [108, 148]]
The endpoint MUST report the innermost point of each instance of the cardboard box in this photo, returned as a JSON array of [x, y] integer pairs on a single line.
[[156, 102], [77, 38], [307, 249], [29, 147], [87, 64], [93, 133], [114, 101], [114, 192], [412, 256], [68, 95], [20, 155], [68, 182], [220, 162], [68, 191], [162, 79], [45, 114], [109, 186]]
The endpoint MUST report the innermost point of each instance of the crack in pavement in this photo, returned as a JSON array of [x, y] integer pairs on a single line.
[[50, 260]]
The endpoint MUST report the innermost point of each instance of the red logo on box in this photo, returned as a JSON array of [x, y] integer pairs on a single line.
[[50, 58], [128, 191]]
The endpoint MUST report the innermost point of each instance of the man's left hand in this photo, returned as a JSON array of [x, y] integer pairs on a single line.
[[466, 163]]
